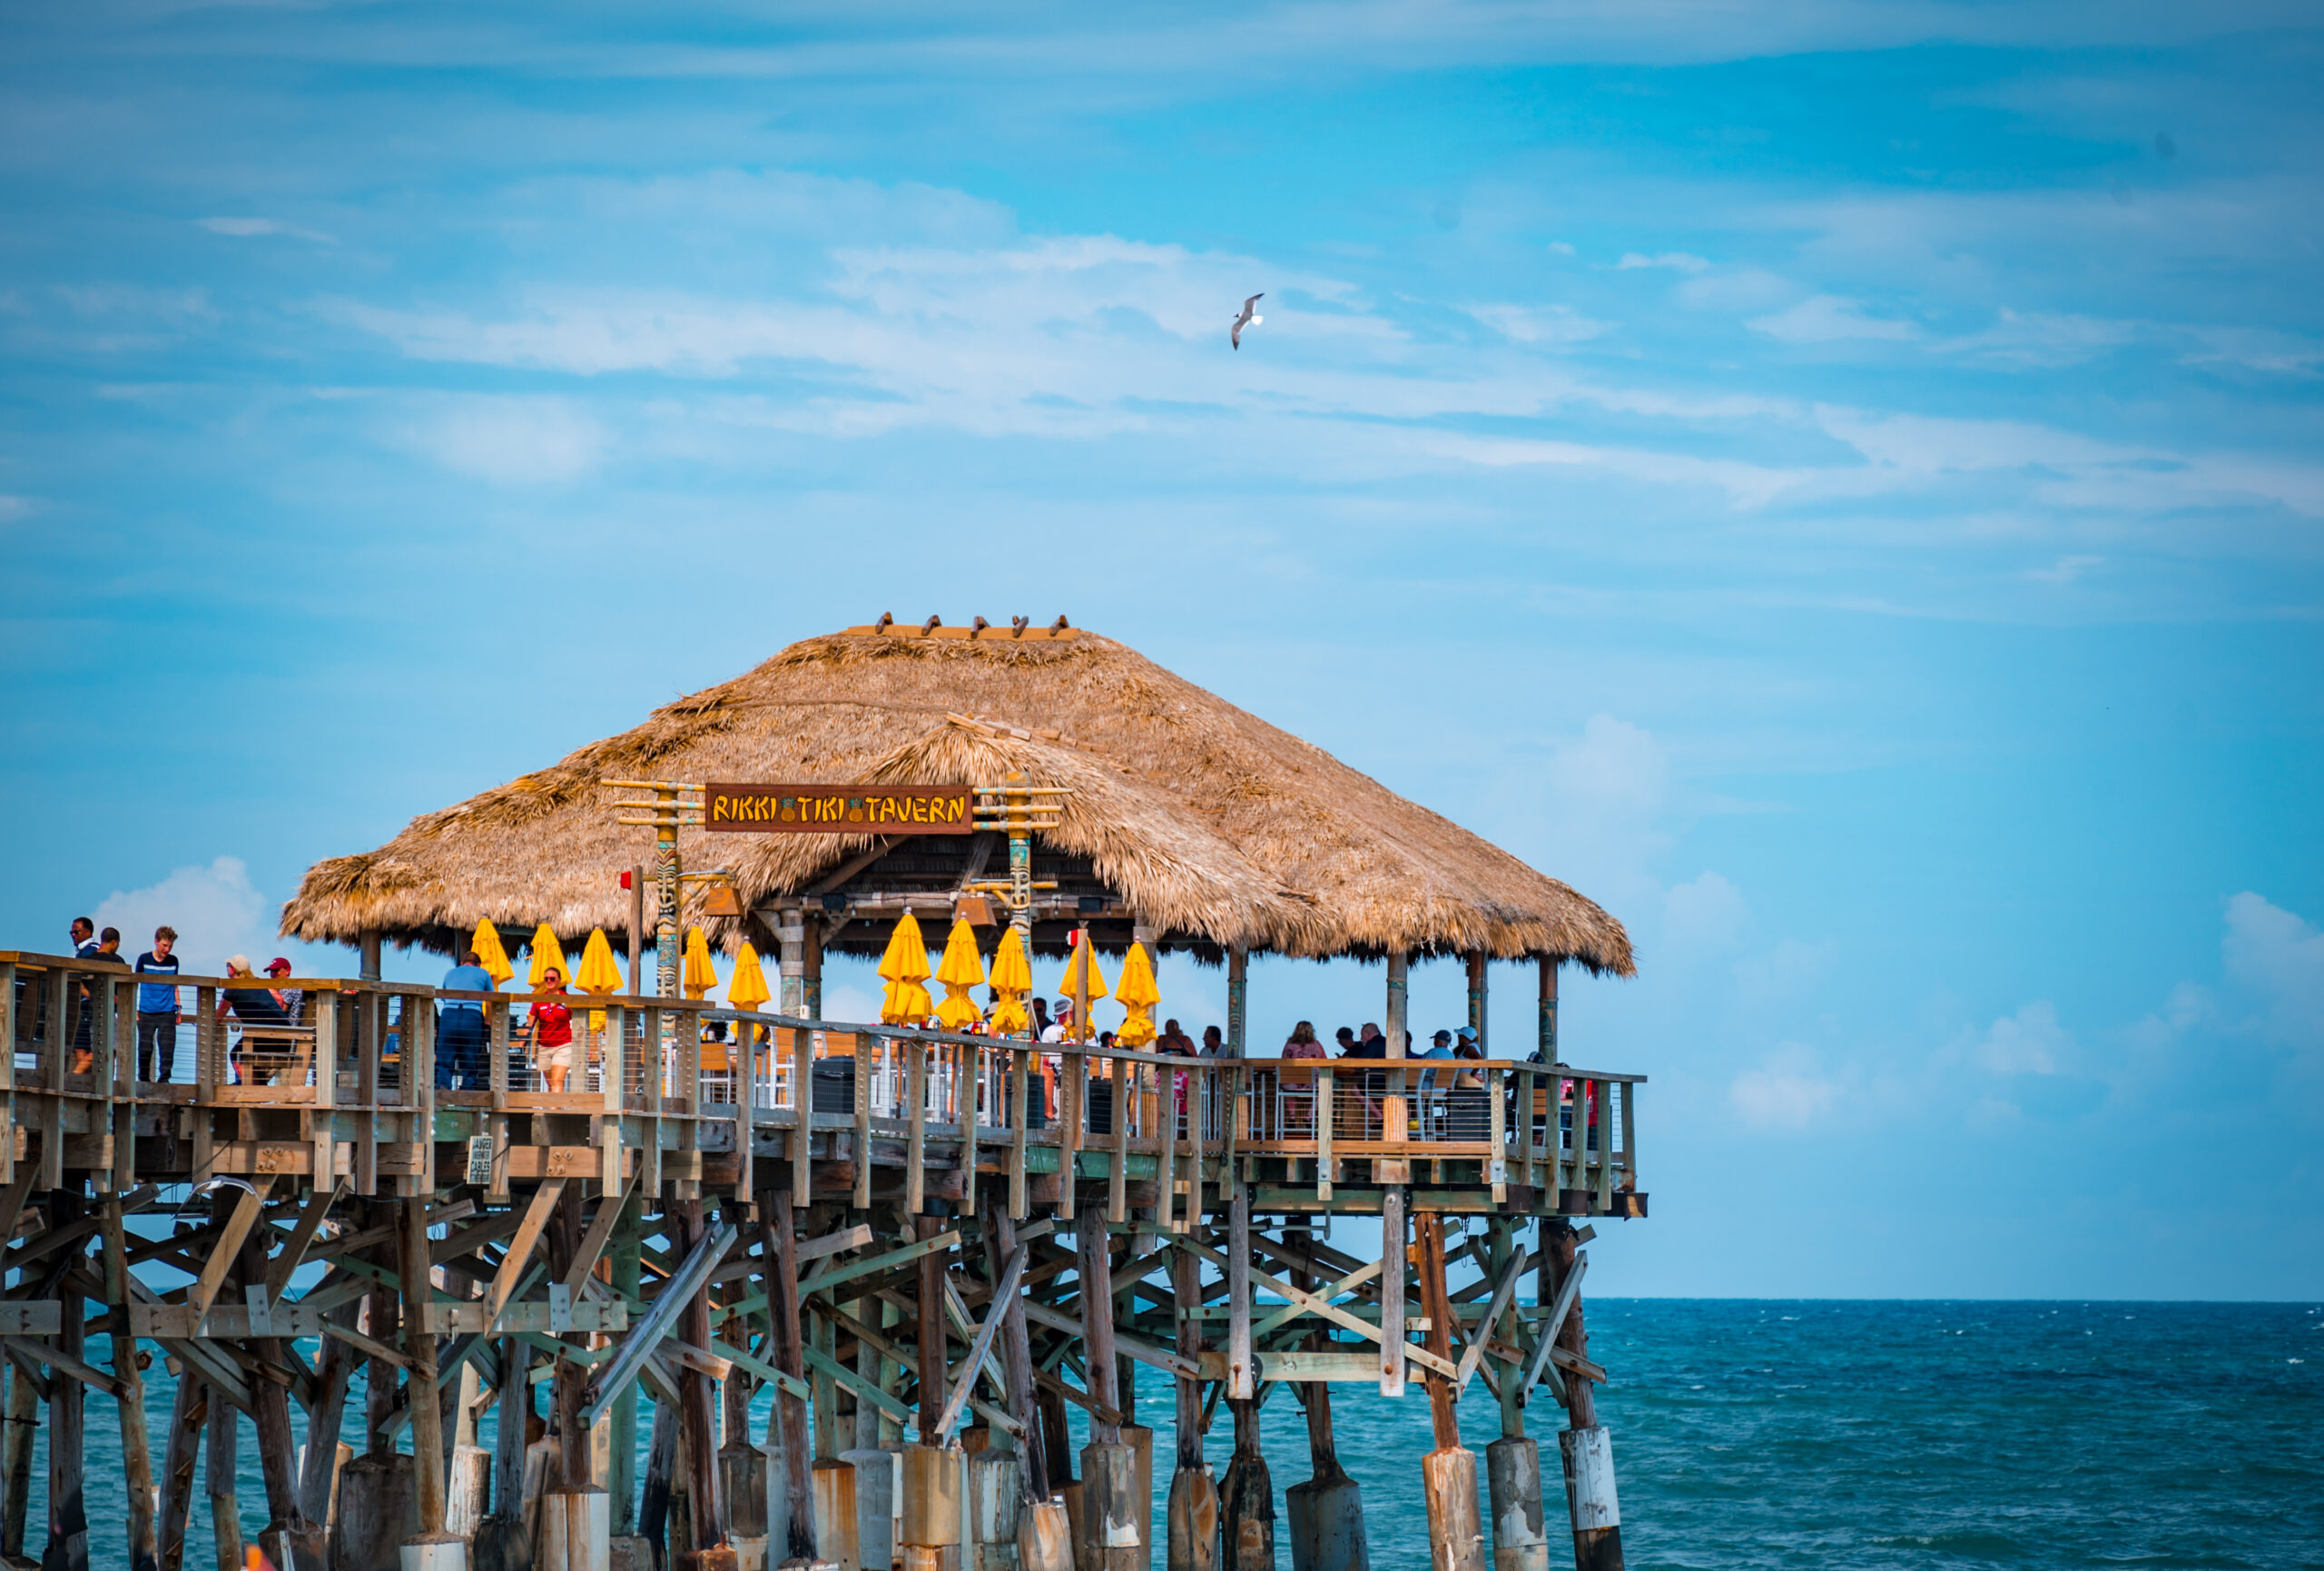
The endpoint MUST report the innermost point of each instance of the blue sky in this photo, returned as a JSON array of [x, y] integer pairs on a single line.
[[1839, 484]]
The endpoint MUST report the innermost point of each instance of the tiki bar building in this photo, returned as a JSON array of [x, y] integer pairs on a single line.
[[639, 1279]]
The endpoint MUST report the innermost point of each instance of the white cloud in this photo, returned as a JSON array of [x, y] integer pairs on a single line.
[[1829, 319], [1609, 790], [2064, 570], [250, 228], [2279, 958], [1706, 913], [215, 910], [2029, 1042], [1681, 260], [508, 441], [1787, 1090], [1785, 976], [1551, 324]]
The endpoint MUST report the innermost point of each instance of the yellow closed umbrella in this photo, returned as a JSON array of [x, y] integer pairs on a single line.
[[1080, 970], [1012, 979], [697, 976], [962, 969], [1136, 993], [599, 974], [489, 955], [905, 969], [748, 989], [548, 954]]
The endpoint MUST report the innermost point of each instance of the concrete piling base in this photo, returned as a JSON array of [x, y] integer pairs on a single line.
[[1246, 1512], [1194, 1522], [931, 1522], [743, 1477], [1456, 1539], [377, 1511], [835, 1491], [1520, 1540], [1113, 1514], [1044, 1537], [996, 1490], [434, 1552], [576, 1530], [879, 1499], [1597, 1511], [1327, 1526], [470, 1493]]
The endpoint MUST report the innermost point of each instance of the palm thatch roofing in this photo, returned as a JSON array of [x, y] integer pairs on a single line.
[[1212, 824]]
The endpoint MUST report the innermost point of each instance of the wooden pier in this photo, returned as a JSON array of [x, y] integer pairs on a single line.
[[895, 1229]]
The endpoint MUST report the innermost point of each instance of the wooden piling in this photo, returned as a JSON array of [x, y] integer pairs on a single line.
[[422, 1395], [16, 1460], [221, 1453], [1449, 1473], [68, 1517], [697, 1409], [1192, 1543], [789, 1354], [1583, 1447], [181, 1451], [136, 1455]]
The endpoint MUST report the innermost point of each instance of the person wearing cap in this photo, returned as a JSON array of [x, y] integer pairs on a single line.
[[1060, 1028], [1440, 1046], [292, 998], [258, 1057]]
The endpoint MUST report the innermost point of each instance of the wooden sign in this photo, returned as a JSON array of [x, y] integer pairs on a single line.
[[837, 809]]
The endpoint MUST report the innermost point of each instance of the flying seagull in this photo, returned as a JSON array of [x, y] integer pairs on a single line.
[[1250, 318]]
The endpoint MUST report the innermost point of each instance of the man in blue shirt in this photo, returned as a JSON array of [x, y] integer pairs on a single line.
[[460, 1028], [157, 1007]]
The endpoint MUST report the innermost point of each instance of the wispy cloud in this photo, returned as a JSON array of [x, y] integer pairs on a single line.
[[252, 228]]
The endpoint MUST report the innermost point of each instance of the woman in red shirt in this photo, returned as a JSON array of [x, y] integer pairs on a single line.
[[550, 1024]]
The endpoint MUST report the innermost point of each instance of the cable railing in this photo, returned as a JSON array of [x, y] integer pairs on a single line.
[[364, 1046]]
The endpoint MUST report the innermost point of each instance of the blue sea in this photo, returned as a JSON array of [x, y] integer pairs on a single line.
[[1768, 1434]]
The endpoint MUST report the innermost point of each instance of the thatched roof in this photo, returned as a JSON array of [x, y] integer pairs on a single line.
[[1213, 824]]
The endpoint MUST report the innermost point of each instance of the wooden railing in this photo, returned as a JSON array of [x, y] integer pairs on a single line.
[[366, 1084]]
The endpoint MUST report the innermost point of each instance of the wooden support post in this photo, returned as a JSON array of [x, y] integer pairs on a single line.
[[1238, 999], [1242, 1383], [1477, 1000], [1586, 1452], [1547, 1025], [222, 1456], [625, 1257], [1392, 1293], [68, 1517], [789, 1354], [930, 1331], [271, 1418], [562, 1230], [181, 1452], [1393, 1107], [697, 1406], [1193, 1519], [420, 1348], [1017, 1360], [1247, 1496], [136, 1455], [1513, 1462], [1456, 1538], [16, 1458]]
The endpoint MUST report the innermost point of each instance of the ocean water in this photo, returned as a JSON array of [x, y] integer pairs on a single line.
[[1762, 1434]]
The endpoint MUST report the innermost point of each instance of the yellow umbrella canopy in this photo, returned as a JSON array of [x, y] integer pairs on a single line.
[[1136, 993], [1083, 962], [491, 955], [598, 974], [748, 989], [1012, 979], [905, 969], [697, 976], [962, 969], [548, 954]]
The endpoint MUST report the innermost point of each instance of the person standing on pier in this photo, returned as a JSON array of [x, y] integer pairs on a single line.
[[157, 1007], [460, 1028], [551, 1022]]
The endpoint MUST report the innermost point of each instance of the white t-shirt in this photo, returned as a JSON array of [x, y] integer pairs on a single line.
[[1057, 1033]]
